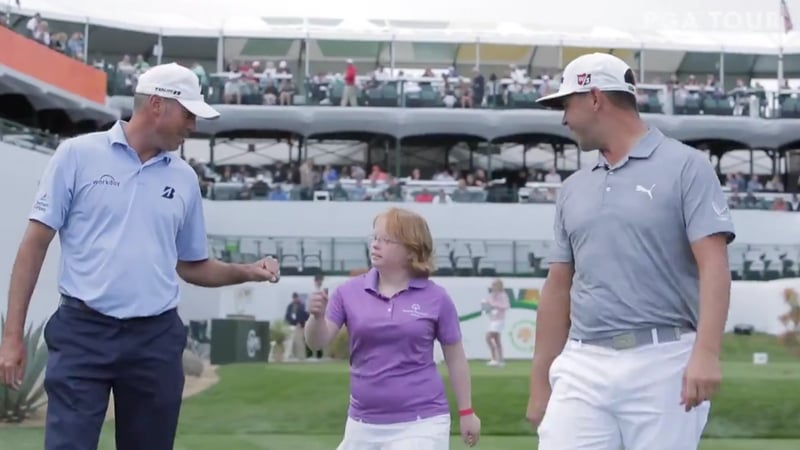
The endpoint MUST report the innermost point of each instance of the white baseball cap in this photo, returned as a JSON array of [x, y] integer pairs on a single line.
[[178, 82], [595, 70]]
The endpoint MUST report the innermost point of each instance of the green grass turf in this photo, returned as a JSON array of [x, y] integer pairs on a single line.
[[303, 406], [31, 439]]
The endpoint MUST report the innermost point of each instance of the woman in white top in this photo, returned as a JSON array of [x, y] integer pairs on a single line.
[[495, 306]]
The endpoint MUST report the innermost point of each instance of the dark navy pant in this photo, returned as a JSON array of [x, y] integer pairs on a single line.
[[91, 354]]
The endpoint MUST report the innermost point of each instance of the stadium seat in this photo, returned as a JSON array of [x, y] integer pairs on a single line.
[[444, 266], [312, 257], [462, 259], [290, 251]]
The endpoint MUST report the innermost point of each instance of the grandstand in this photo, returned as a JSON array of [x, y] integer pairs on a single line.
[[445, 122], [407, 140]]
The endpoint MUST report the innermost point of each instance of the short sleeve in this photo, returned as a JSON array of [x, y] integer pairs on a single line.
[[448, 328], [56, 189], [705, 207], [561, 252], [192, 241], [335, 311]]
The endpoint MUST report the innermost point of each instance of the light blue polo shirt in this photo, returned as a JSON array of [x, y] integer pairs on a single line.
[[628, 230], [123, 225]]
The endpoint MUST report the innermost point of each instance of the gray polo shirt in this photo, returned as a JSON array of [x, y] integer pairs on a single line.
[[628, 231]]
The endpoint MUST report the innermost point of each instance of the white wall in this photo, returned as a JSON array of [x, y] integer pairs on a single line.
[[19, 178], [455, 221]]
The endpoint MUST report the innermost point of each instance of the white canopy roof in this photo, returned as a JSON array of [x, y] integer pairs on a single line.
[[733, 26]]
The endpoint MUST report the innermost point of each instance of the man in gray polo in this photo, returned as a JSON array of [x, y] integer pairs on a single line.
[[129, 215], [632, 314]]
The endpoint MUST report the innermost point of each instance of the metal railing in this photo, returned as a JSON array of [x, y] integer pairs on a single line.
[[444, 191], [428, 92], [27, 137], [465, 257]]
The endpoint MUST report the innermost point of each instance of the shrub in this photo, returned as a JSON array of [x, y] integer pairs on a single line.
[[18, 405]]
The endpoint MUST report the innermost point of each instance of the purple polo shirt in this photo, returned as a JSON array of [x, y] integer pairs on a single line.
[[393, 377]]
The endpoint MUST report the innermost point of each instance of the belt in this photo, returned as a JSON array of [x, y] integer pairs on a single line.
[[72, 302], [638, 338], [76, 303]]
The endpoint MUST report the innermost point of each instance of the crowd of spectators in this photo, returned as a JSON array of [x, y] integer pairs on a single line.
[[451, 184]]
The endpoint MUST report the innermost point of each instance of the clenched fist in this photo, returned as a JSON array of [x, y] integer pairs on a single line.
[[317, 304]]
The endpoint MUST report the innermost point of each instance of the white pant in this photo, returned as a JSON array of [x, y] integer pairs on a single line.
[[605, 399], [425, 434]]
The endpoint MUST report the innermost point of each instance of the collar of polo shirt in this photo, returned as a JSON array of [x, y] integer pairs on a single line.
[[116, 136], [177, 82], [643, 149], [372, 281]]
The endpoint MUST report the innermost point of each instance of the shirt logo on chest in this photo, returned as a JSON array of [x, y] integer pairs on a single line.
[[106, 180], [416, 311], [169, 192], [649, 192]]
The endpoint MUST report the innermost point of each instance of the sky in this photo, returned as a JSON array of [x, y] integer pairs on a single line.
[[627, 15]]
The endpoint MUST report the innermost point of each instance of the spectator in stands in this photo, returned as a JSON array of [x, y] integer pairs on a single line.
[[296, 317], [478, 87], [480, 178], [424, 197], [357, 172], [358, 192], [202, 76], [42, 33], [552, 177], [141, 65], [330, 175], [416, 175], [278, 194], [286, 93], [774, 185], [260, 187], [393, 192], [442, 198], [754, 185], [339, 193], [444, 175], [461, 194], [58, 42], [75, 45], [377, 174], [794, 204], [350, 94], [307, 179], [271, 92], [495, 306], [448, 93], [279, 175], [779, 204], [33, 25]]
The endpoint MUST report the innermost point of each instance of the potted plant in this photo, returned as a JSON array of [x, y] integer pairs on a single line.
[[278, 333]]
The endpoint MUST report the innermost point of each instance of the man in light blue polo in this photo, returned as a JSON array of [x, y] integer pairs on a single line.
[[129, 215], [631, 318]]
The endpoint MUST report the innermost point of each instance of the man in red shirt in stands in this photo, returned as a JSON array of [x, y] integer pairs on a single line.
[[350, 94]]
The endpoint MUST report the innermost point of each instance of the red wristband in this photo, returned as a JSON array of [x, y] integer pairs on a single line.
[[466, 412]]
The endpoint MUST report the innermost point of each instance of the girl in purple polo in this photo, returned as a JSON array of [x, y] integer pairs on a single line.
[[393, 314]]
